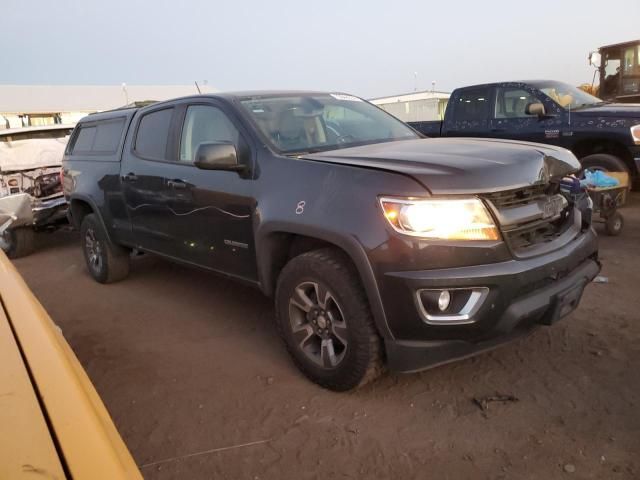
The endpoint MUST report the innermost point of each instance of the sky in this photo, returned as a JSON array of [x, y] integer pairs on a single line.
[[369, 48]]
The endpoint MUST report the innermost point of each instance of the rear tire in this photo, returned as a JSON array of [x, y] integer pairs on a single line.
[[605, 162], [614, 225], [18, 242], [324, 319], [106, 261]]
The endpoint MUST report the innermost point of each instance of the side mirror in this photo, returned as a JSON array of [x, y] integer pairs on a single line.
[[595, 59], [535, 109], [218, 156]]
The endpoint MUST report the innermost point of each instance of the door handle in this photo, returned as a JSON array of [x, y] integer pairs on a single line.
[[130, 177], [498, 130], [177, 184]]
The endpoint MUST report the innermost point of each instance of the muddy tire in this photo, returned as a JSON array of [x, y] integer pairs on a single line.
[[18, 242], [605, 162], [614, 225], [324, 319], [106, 262]]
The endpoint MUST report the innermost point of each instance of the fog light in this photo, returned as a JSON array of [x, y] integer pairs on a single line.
[[452, 306], [443, 300]]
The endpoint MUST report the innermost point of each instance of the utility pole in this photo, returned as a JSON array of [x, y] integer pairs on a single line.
[[126, 94]]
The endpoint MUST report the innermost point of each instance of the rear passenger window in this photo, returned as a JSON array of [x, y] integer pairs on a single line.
[[153, 133], [84, 139], [98, 138], [473, 105], [108, 135]]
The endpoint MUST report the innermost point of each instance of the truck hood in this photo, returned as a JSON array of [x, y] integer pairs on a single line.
[[618, 110], [30, 154], [461, 165]]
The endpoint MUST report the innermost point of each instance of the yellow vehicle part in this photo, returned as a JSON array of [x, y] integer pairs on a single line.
[[52, 419], [25, 443]]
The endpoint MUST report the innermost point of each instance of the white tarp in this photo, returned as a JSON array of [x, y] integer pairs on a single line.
[[32, 153]]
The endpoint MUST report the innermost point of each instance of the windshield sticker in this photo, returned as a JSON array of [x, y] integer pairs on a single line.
[[348, 98]]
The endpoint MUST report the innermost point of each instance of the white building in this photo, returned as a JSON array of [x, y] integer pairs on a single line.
[[415, 106], [37, 105]]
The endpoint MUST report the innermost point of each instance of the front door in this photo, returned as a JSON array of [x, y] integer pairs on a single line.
[[511, 121], [212, 210], [203, 217]]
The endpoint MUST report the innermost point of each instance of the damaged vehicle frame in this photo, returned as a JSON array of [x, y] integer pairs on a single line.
[[30, 189], [380, 248]]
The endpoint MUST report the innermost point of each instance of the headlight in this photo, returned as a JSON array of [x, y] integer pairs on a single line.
[[635, 134], [455, 219]]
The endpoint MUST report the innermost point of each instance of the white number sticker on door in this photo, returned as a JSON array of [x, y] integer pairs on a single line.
[[300, 207]]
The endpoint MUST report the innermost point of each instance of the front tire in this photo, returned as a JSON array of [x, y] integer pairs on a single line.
[[18, 242], [325, 322], [106, 262], [604, 162]]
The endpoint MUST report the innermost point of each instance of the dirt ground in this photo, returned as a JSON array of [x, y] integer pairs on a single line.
[[191, 369]]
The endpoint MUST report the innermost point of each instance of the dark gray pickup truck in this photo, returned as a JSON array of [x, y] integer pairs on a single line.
[[379, 247], [602, 135]]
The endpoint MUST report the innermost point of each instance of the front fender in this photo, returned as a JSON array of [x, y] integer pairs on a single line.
[[269, 235]]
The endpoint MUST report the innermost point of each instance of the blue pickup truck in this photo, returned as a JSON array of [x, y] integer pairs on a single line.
[[602, 135]]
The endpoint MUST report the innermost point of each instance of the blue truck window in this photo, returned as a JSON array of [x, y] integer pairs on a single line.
[[473, 105]]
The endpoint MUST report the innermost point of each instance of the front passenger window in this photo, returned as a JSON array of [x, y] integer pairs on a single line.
[[512, 102], [204, 124]]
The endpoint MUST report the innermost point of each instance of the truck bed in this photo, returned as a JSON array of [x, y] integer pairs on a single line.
[[430, 128]]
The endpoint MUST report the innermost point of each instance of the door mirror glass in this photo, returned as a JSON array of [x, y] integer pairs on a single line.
[[595, 59], [535, 109], [217, 156]]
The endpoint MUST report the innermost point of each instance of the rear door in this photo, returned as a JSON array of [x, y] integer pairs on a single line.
[[144, 173], [469, 114]]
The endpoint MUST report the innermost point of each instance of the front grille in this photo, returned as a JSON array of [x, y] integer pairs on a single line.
[[519, 196], [535, 233], [521, 230]]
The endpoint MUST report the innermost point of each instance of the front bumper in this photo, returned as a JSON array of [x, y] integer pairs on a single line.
[[523, 294], [49, 211]]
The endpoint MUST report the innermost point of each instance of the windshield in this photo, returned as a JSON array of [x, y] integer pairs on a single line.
[[312, 123], [567, 96]]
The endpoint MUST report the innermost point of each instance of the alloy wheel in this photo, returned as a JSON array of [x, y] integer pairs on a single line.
[[94, 250], [318, 325]]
